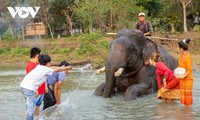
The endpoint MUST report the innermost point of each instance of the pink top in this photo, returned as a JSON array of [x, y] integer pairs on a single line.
[[162, 71]]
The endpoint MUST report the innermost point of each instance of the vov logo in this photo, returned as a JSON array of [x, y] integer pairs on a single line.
[[23, 12]]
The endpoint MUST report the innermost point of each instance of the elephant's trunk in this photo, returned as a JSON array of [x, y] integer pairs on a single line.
[[110, 83], [114, 67]]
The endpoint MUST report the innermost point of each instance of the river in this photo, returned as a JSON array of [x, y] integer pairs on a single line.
[[79, 103]]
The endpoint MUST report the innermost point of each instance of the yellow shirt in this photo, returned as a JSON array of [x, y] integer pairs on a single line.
[[185, 61]]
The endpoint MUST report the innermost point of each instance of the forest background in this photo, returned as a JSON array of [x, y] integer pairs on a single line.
[[93, 19]]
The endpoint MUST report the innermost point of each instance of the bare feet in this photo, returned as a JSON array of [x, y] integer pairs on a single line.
[[164, 100], [170, 100], [37, 110], [189, 106]]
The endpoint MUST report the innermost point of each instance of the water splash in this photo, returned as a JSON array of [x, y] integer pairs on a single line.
[[85, 68], [68, 108], [58, 112]]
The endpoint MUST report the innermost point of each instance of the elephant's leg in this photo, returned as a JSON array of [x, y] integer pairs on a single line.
[[99, 90], [136, 90]]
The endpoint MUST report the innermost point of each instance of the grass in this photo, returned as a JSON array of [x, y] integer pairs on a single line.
[[93, 47]]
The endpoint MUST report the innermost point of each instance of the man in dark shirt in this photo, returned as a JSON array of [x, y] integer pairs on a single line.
[[143, 25]]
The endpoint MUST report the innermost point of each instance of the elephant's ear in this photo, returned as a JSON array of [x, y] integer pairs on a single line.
[[149, 49]]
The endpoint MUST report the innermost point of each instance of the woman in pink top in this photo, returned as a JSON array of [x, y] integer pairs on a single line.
[[168, 84]]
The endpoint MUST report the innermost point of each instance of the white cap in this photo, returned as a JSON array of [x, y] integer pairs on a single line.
[[141, 14]]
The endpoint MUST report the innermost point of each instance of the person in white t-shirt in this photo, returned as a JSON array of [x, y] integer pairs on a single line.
[[34, 79]]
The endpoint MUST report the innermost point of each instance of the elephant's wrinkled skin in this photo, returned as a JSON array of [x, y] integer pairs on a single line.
[[131, 52]]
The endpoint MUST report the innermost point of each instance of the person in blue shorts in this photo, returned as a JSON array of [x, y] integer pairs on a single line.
[[53, 96]]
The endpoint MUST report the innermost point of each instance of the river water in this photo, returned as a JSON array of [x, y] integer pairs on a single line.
[[79, 103]]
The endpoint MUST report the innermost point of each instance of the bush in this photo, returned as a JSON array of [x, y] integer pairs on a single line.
[[196, 28], [66, 51], [88, 43], [7, 36]]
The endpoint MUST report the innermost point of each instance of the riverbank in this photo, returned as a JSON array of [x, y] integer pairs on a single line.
[[88, 48]]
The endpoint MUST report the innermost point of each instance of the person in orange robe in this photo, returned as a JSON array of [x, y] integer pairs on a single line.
[[186, 80], [168, 84]]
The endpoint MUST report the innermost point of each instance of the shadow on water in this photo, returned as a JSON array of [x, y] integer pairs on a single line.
[[79, 103]]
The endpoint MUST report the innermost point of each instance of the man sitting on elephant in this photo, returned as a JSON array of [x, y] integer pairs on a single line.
[[143, 25]]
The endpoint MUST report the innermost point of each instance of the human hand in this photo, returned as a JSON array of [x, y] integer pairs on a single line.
[[69, 67], [46, 89], [163, 89], [181, 76], [37, 93]]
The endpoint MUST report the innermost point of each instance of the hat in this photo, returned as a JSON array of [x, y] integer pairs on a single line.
[[64, 63], [141, 14], [186, 41]]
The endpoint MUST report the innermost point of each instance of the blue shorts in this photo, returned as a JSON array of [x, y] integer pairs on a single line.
[[39, 100]]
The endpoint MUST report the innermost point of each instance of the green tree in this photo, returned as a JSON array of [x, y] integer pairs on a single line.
[[185, 3], [65, 8]]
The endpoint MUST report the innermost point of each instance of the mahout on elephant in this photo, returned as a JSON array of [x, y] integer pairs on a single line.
[[127, 68]]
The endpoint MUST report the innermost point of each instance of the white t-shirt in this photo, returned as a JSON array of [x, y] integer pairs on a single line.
[[36, 77]]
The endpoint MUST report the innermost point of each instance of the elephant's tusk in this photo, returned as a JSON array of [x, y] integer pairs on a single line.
[[119, 72], [100, 70]]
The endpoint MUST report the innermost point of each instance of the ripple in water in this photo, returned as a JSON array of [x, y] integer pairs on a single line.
[[81, 104]]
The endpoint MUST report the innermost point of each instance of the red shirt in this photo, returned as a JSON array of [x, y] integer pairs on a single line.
[[162, 71], [31, 65]]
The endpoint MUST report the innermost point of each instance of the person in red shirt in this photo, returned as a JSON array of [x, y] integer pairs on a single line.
[[168, 84], [34, 53]]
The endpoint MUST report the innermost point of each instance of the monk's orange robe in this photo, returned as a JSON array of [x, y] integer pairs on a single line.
[[186, 84]]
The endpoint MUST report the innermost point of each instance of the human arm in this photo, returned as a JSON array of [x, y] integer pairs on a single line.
[[36, 93], [59, 91], [46, 89], [136, 26], [164, 70], [150, 30], [58, 86], [187, 64], [59, 69], [147, 34]]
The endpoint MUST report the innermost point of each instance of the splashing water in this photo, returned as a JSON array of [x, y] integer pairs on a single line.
[[66, 110], [79, 103], [58, 112]]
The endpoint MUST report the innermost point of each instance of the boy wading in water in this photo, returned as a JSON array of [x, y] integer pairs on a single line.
[[53, 97], [34, 54], [34, 79]]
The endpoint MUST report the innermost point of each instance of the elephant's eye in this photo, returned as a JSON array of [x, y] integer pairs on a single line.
[[132, 49]]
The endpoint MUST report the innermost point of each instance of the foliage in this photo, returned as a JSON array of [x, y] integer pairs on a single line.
[[18, 51], [103, 15], [88, 43], [7, 36]]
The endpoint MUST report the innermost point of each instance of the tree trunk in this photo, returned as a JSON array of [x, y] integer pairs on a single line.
[[69, 21], [70, 26], [11, 30], [23, 38], [185, 3], [50, 31], [173, 28], [184, 17]]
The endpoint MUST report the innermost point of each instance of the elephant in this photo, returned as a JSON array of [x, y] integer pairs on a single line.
[[127, 68]]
